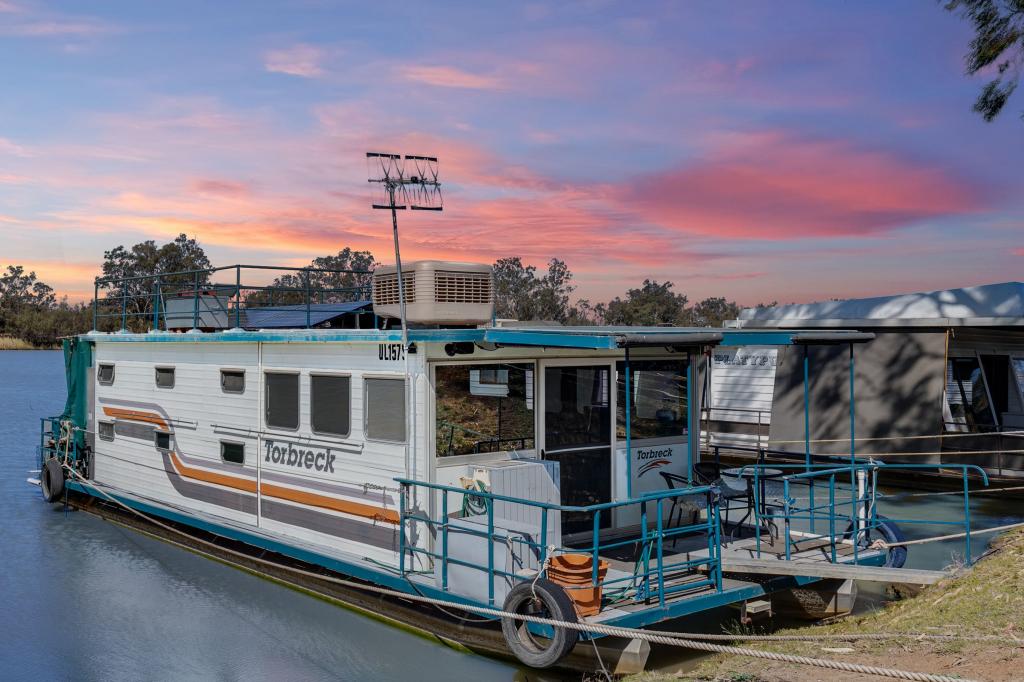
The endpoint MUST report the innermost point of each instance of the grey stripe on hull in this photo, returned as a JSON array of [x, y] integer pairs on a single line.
[[343, 489], [222, 497], [338, 526], [128, 429]]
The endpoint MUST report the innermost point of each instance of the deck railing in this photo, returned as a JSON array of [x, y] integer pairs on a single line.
[[651, 567], [852, 487], [220, 297]]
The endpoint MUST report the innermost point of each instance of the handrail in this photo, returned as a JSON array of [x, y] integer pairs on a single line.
[[644, 584], [863, 516], [151, 295]]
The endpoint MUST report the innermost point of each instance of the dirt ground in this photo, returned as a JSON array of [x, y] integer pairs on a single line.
[[988, 599]]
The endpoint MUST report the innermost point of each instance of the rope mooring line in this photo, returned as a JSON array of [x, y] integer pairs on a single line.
[[668, 639], [882, 544]]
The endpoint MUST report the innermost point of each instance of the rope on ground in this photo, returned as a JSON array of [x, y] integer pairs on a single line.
[[668, 639], [882, 544]]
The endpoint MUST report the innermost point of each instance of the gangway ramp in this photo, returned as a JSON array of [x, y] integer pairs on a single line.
[[826, 569]]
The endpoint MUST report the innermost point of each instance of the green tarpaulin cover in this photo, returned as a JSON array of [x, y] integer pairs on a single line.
[[77, 360]]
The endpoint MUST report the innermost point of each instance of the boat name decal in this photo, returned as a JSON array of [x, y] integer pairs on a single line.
[[320, 460], [653, 453], [390, 351]]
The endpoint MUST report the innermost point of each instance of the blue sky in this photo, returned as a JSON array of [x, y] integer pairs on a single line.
[[790, 151]]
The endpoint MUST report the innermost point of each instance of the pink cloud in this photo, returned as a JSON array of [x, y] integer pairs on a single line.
[[775, 185], [226, 188], [40, 26], [449, 77], [1016, 252], [301, 60], [12, 149]]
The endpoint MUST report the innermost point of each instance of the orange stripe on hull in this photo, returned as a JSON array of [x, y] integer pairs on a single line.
[[249, 486], [135, 416], [243, 484], [332, 503]]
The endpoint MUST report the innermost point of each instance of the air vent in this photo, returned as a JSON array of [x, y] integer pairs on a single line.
[[436, 292]]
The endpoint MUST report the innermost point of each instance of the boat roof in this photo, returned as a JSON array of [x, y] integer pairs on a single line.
[[988, 305], [590, 338], [300, 315]]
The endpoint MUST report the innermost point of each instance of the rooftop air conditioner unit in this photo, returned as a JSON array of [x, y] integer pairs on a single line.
[[436, 292]]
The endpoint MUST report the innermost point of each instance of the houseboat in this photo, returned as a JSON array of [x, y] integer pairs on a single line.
[[536, 470], [942, 381]]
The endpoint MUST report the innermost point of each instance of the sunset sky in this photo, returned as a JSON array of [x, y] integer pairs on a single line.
[[794, 151]]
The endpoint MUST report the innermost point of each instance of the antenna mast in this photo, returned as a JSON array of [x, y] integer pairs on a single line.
[[409, 182]]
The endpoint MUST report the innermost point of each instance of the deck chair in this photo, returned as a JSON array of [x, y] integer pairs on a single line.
[[710, 473]]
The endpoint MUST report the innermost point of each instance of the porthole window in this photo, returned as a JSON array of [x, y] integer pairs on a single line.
[[232, 380], [233, 453], [165, 377], [105, 374]]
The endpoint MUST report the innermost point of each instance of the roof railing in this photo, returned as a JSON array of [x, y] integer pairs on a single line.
[[234, 296]]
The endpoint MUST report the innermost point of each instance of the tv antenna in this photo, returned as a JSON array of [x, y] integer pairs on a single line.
[[405, 182]]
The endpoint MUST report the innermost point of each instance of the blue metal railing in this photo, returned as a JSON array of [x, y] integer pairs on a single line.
[[645, 583], [141, 302], [861, 496]]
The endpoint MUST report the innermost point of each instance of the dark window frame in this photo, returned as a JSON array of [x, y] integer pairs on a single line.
[[225, 371], [164, 368], [99, 373], [224, 459], [298, 399], [312, 418], [99, 430], [366, 410]]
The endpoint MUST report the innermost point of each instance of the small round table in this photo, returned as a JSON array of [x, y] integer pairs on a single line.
[[748, 474]]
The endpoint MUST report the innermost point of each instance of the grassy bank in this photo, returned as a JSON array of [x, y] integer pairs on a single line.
[[11, 343], [986, 600]]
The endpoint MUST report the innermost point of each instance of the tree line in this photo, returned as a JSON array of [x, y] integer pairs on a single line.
[[128, 283]]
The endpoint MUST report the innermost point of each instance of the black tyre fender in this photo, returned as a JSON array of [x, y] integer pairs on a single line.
[[551, 601], [51, 480], [890, 533]]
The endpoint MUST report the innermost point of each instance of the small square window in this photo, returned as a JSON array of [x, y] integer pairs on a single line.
[[105, 374], [232, 380], [106, 430], [165, 377], [232, 452], [385, 409], [162, 440]]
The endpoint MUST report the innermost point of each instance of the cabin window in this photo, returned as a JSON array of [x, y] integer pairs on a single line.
[[385, 409], [657, 404], [106, 430], [282, 396], [330, 404], [232, 380], [233, 453], [967, 396], [165, 377], [484, 408], [162, 440], [105, 374]]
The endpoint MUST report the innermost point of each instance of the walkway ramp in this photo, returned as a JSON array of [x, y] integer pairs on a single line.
[[826, 569]]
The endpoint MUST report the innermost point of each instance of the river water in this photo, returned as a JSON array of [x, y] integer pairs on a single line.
[[84, 599]]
